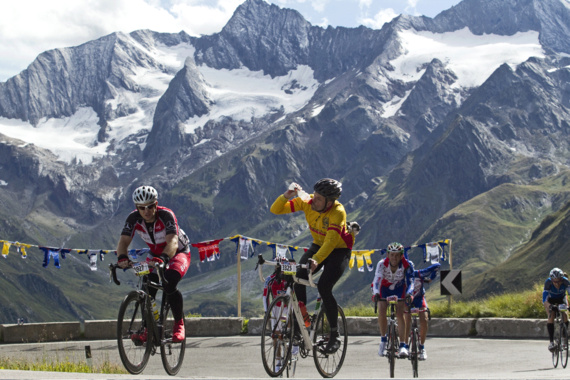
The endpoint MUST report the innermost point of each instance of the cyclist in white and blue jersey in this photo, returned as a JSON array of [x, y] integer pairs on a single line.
[[554, 293], [422, 276]]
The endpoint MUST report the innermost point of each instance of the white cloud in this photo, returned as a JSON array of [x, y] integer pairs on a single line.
[[382, 17], [30, 27]]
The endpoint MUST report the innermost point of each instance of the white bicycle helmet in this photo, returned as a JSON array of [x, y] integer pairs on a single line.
[[556, 273], [144, 195]]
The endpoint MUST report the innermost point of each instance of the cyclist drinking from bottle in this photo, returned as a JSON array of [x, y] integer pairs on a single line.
[[331, 247], [158, 227], [393, 277], [554, 293]]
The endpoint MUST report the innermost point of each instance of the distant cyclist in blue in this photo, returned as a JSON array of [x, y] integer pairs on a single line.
[[554, 293], [422, 276]]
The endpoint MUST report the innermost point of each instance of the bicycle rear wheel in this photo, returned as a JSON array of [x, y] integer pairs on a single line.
[[172, 354], [414, 350], [563, 344], [133, 339], [393, 347], [328, 365], [277, 336]]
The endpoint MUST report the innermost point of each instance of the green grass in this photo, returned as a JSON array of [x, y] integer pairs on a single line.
[[527, 304], [59, 366]]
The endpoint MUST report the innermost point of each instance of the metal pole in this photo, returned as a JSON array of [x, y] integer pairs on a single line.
[[239, 284], [450, 268]]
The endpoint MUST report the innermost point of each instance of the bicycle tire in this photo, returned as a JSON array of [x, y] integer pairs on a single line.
[[393, 348], [414, 351], [563, 345], [277, 336], [131, 323], [328, 365], [172, 354], [269, 297], [555, 355]]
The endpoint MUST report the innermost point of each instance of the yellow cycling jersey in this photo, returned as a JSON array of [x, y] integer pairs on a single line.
[[328, 228]]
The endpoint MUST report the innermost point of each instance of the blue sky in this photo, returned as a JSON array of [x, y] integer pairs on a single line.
[[30, 27]]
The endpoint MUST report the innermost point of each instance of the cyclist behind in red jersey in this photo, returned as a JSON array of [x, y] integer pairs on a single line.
[[158, 227], [393, 277], [332, 243]]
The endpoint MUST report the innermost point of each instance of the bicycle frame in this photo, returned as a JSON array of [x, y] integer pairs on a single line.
[[144, 285], [281, 322], [561, 349], [141, 329]]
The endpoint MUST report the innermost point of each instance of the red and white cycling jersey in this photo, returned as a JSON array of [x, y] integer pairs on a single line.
[[401, 278], [154, 234]]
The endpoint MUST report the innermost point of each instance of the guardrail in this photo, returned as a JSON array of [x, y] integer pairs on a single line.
[[510, 328]]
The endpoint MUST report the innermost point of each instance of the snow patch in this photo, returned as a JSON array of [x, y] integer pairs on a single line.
[[472, 58], [243, 94], [69, 138], [317, 110]]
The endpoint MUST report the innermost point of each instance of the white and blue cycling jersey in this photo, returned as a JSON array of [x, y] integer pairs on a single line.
[[551, 292], [424, 275]]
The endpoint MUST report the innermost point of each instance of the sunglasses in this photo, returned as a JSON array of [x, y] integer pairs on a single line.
[[147, 207]]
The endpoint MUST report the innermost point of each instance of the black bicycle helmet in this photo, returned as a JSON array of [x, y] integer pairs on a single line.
[[328, 188], [145, 195]]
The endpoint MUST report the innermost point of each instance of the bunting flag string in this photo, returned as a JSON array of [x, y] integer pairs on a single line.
[[245, 246]]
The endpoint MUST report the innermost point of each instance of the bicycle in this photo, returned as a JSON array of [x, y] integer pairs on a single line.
[[393, 344], [282, 319], [415, 340], [140, 329], [561, 347]]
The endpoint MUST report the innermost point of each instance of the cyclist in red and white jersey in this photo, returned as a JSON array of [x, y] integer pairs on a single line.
[[158, 227], [393, 277]]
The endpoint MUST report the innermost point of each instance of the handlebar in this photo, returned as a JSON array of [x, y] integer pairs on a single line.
[[160, 271], [387, 299], [261, 261]]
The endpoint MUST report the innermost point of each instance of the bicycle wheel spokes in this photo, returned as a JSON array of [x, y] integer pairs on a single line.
[[133, 339], [172, 354], [328, 365], [563, 344], [277, 336]]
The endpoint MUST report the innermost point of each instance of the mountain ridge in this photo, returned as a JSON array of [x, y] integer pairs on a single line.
[[412, 141]]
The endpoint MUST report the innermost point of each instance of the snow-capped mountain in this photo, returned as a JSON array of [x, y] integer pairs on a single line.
[[418, 118]]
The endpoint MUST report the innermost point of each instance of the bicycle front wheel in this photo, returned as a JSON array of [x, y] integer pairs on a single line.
[[393, 347], [133, 339], [277, 336], [563, 345], [172, 354], [414, 351], [328, 365], [555, 355]]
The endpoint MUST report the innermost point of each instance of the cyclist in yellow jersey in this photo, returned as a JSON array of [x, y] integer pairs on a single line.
[[332, 243]]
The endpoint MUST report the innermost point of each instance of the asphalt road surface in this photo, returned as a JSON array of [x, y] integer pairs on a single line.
[[238, 357]]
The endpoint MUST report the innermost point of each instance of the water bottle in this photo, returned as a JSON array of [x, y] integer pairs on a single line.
[[318, 303], [300, 192], [155, 310], [305, 314]]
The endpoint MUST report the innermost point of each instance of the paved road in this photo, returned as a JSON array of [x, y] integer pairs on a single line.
[[238, 357]]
